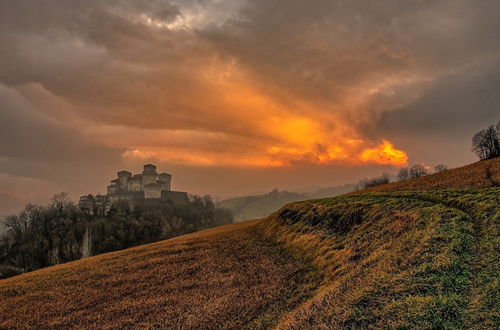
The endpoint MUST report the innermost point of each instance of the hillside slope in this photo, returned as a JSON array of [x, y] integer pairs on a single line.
[[226, 277], [412, 256], [259, 206], [478, 175]]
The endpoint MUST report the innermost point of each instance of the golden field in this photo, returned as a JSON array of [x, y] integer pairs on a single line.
[[220, 278], [417, 254]]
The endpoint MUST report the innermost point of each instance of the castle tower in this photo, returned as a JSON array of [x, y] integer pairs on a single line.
[[149, 175], [166, 180], [123, 177], [134, 183]]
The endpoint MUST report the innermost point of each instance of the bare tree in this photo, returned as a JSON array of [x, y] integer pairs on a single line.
[[87, 243], [440, 167], [60, 201], [418, 170], [486, 144], [383, 179], [403, 174]]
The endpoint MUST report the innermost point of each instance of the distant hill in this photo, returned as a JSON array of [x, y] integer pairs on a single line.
[[259, 206], [417, 254]]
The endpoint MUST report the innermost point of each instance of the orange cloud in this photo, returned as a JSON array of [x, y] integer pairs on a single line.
[[250, 126], [384, 154]]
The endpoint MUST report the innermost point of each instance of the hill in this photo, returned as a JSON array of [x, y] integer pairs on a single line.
[[415, 254], [259, 206], [482, 174]]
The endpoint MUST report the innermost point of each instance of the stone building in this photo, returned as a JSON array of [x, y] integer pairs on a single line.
[[148, 185]]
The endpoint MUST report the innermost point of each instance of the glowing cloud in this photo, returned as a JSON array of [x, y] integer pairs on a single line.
[[384, 154]]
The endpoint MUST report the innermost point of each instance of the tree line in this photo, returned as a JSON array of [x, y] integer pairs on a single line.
[[41, 236], [405, 173]]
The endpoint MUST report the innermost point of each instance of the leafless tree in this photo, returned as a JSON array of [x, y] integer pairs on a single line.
[[486, 143], [383, 179], [60, 201], [403, 174], [417, 171]]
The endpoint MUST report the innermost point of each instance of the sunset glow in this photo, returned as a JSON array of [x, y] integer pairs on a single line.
[[385, 154]]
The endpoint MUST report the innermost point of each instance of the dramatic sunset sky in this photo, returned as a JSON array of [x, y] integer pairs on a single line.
[[239, 96]]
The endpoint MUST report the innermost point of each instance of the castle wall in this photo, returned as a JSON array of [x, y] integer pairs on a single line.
[[111, 189], [166, 179], [152, 190], [134, 185], [178, 197]]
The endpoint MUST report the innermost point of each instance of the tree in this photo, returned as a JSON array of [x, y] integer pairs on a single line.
[[41, 236], [367, 183], [87, 243], [440, 167], [486, 142], [418, 170], [60, 201], [403, 174]]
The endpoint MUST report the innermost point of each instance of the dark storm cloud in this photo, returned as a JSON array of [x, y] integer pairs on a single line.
[[38, 151], [438, 126], [324, 48], [110, 58]]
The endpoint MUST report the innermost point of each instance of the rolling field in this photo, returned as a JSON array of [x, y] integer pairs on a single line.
[[416, 254], [220, 278]]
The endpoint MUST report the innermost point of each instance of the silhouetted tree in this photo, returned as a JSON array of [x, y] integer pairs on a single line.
[[486, 142], [60, 232], [403, 174], [417, 171], [382, 179]]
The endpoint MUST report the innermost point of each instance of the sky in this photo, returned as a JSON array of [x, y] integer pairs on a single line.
[[242, 96]]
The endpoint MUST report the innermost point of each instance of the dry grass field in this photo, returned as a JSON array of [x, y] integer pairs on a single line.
[[227, 277], [417, 254]]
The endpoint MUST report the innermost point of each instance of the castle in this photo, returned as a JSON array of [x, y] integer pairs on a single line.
[[148, 186]]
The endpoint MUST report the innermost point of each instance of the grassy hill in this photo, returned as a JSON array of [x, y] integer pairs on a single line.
[[259, 206], [416, 254]]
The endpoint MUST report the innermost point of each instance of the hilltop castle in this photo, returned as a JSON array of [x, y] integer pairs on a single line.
[[148, 186]]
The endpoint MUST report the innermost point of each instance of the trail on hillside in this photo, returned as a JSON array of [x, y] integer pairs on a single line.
[[466, 269]]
